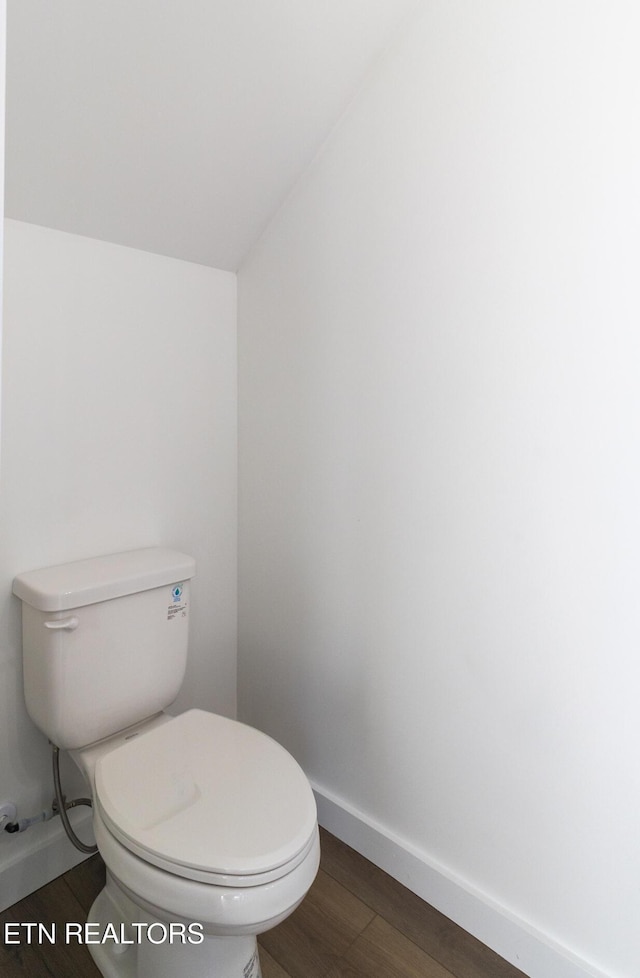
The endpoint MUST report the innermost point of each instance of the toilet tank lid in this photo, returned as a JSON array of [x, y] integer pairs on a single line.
[[86, 582]]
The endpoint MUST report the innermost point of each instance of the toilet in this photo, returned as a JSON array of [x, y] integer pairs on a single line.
[[207, 827]]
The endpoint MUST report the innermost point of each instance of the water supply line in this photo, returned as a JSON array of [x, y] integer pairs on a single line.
[[62, 805]]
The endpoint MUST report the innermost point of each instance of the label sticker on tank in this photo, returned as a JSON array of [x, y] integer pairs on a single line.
[[178, 607], [177, 610]]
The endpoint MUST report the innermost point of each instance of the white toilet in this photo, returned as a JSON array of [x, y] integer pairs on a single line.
[[207, 827]]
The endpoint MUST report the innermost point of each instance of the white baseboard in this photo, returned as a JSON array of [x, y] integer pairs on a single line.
[[48, 853], [40, 855], [533, 952]]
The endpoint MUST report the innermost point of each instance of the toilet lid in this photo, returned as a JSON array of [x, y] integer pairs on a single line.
[[207, 794]]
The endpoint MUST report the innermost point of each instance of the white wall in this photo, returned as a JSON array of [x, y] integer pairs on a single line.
[[119, 431], [439, 469], [3, 60]]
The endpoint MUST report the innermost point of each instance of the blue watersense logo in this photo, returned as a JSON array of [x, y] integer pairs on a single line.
[[176, 593]]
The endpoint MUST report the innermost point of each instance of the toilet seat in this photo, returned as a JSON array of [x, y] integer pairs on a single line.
[[208, 799], [223, 910]]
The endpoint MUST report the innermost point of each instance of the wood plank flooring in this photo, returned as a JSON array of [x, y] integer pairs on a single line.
[[356, 922]]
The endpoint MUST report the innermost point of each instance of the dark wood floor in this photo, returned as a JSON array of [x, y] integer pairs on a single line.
[[356, 922]]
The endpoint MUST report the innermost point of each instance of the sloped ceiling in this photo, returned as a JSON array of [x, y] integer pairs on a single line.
[[177, 126]]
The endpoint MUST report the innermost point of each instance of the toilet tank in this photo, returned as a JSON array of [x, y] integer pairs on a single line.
[[104, 641]]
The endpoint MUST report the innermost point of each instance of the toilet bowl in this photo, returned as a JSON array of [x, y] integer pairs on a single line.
[[207, 827], [204, 821]]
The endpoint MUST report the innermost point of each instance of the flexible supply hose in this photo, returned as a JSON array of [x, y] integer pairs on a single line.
[[62, 805]]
